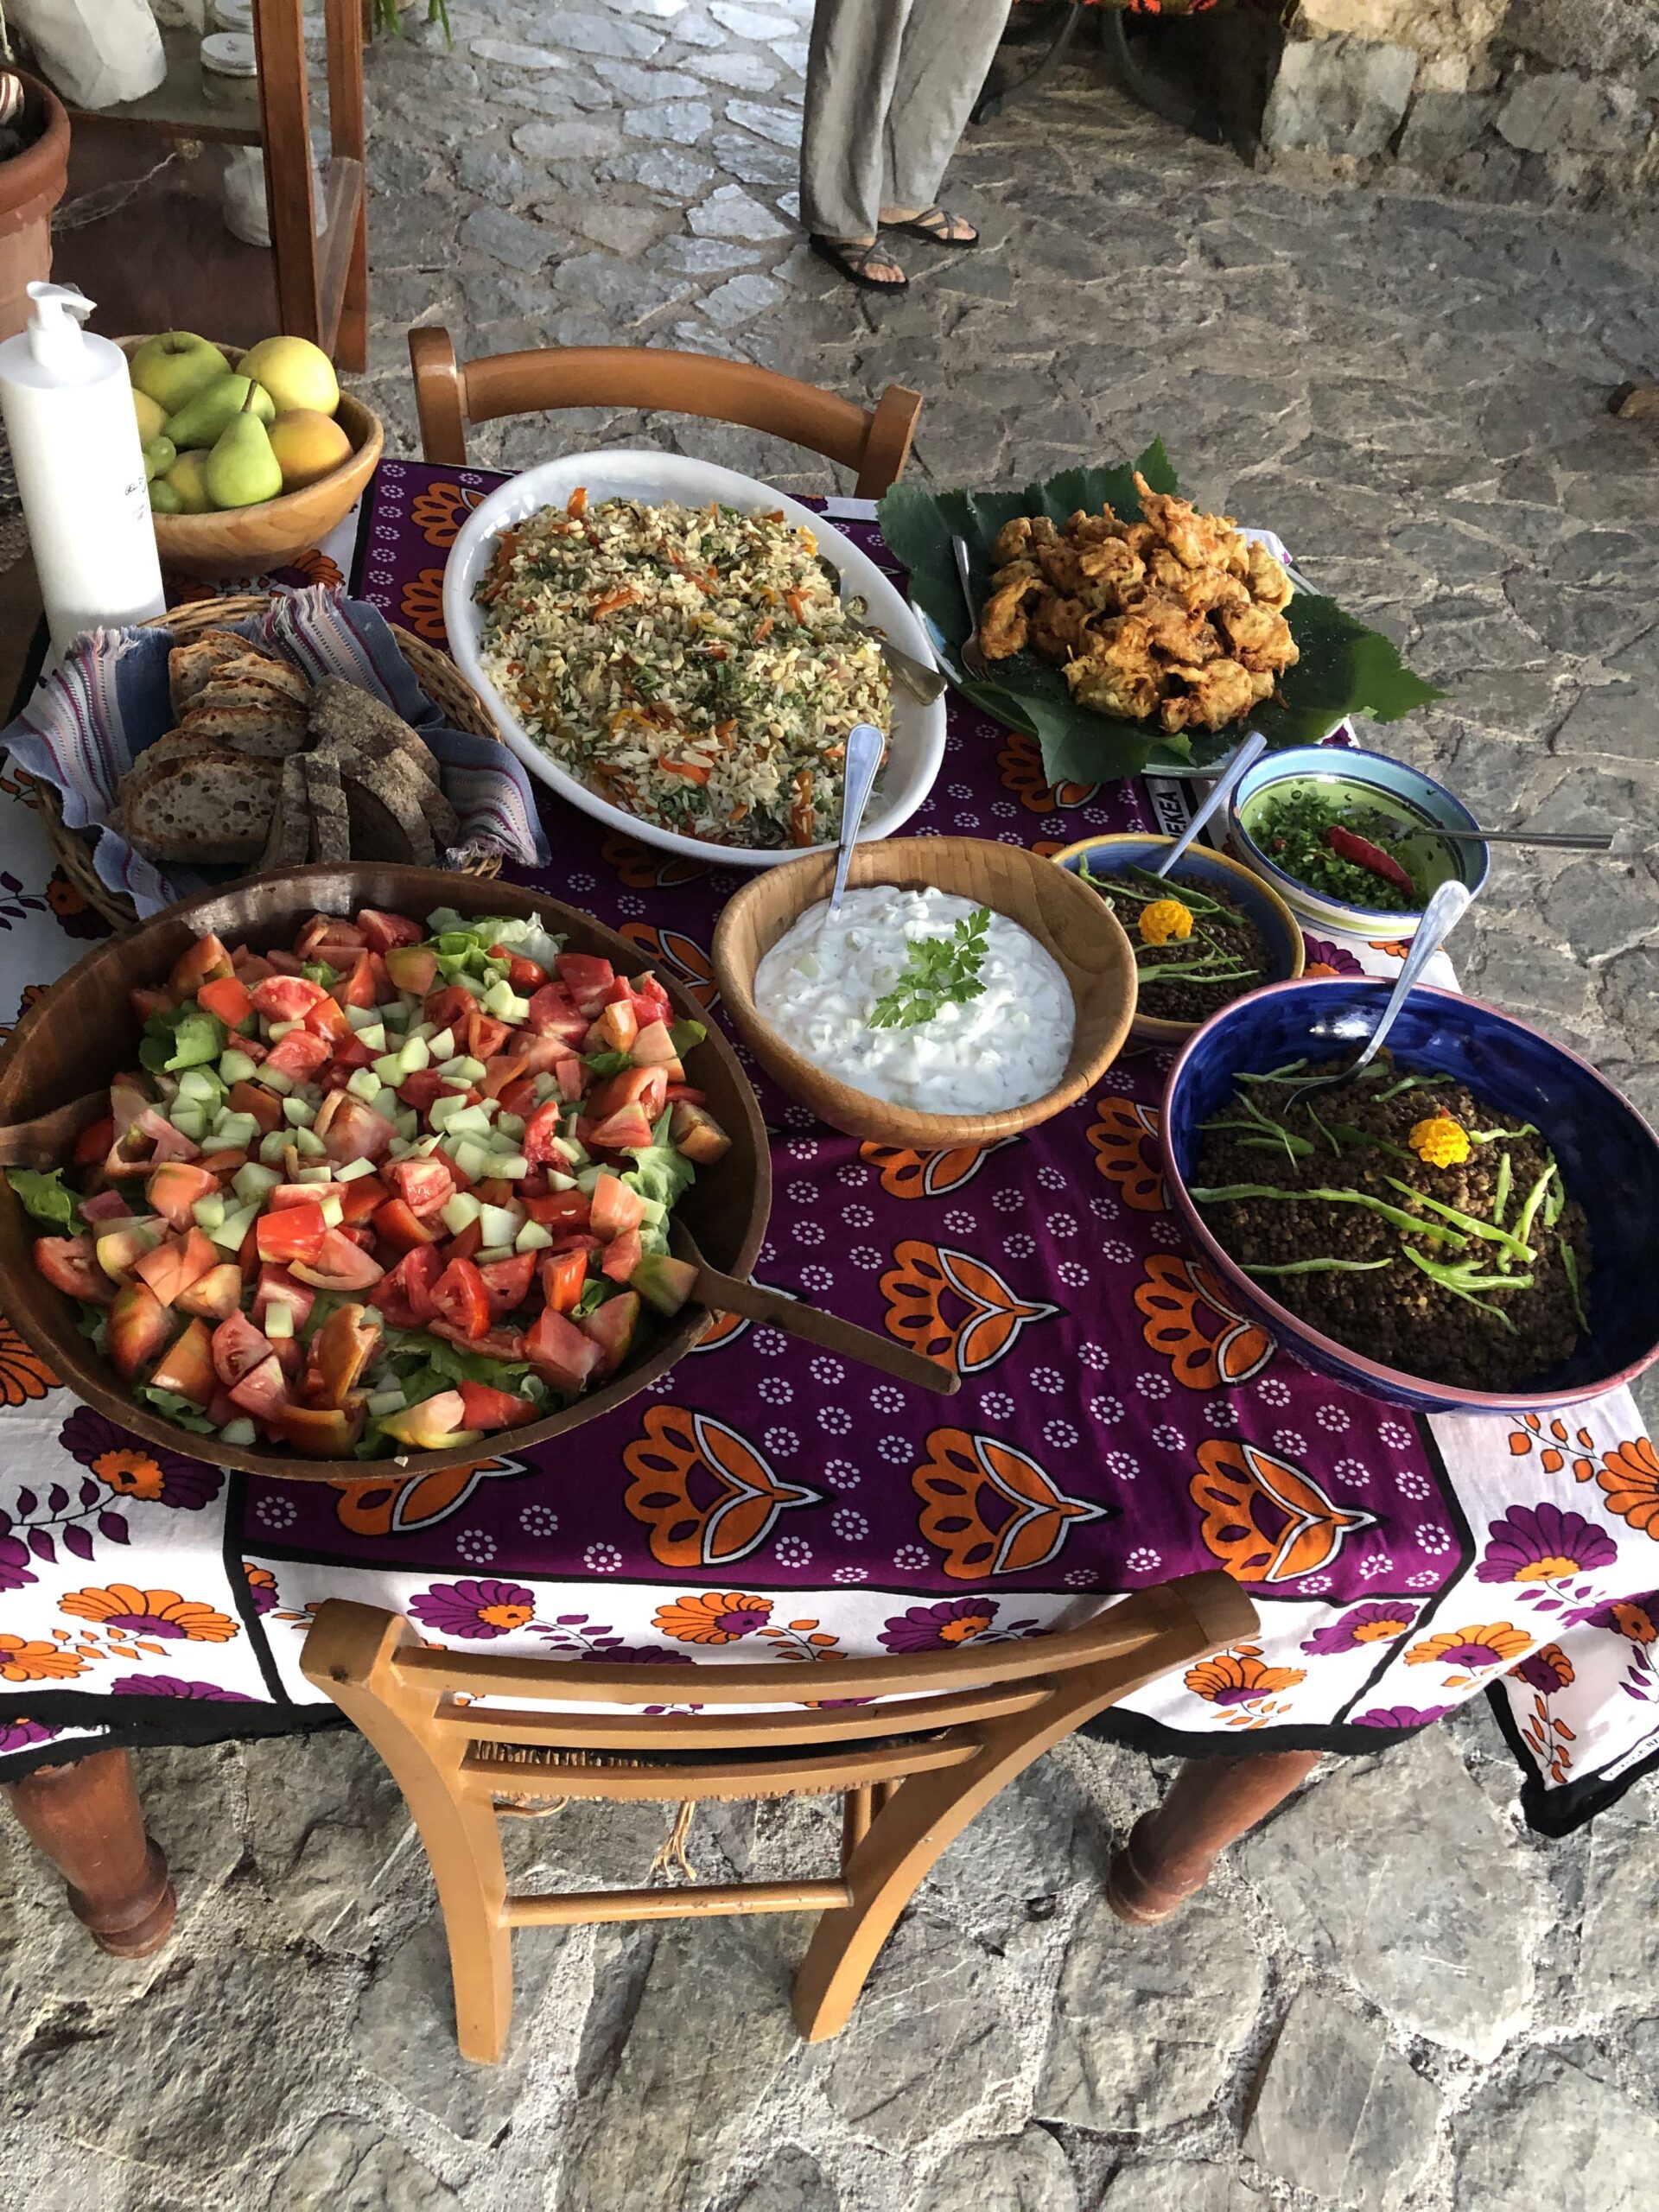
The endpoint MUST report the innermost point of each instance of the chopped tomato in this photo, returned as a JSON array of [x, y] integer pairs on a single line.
[[563, 1279], [587, 978], [92, 1144], [622, 1256], [173, 1190], [70, 1264], [357, 989], [540, 1133], [488, 1408], [628, 1128], [422, 1185], [228, 998], [554, 1013], [264, 1105], [206, 959], [286, 998], [410, 967], [524, 976], [382, 931], [350, 1054], [647, 1088], [560, 1210], [519, 1097], [354, 1131], [360, 1199], [616, 1209], [325, 929], [560, 1352], [238, 1347], [460, 1297], [399, 1225], [294, 1233], [340, 1265], [146, 1002], [409, 1285], [506, 1283], [262, 1390], [486, 1035], [278, 962], [300, 1054], [140, 1328], [448, 1009], [327, 1019], [464, 1246], [277, 1287]]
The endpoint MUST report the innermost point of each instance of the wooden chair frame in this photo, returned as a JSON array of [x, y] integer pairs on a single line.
[[874, 443], [952, 1730]]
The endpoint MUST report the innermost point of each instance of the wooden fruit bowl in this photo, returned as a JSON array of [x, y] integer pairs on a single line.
[[248, 540], [77, 1037], [1068, 920]]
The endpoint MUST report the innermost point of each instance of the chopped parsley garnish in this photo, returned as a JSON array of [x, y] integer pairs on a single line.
[[940, 971]]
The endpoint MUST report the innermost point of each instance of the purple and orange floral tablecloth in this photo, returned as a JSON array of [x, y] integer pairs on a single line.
[[1118, 1423]]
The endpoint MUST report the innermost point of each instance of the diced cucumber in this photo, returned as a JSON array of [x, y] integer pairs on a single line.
[[473, 1159], [320, 1173], [388, 1069], [576, 1154], [236, 1067], [200, 1086], [440, 1043], [190, 1121], [385, 1401], [362, 1017], [533, 1237], [385, 1104], [470, 1121], [489, 1254], [459, 1212], [504, 1003], [400, 1147], [588, 1178], [367, 1083], [298, 1112], [239, 1431], [463, 1068], [407, 1123], [510, 1125], [272, 1147], [353, 1170], [278, 1030], [273, 1078], [232, 1233], [424, 1029], [416, 1053], [444, 1107], [279, 1320], [373, 1039], [423, 1148], [396, 1017], [509, 1165], [253, 1182], [333, 1211], [499, 1224], [309, 1145], [543, 1089], [236, 1132], [208, 1212], [557, 1182]]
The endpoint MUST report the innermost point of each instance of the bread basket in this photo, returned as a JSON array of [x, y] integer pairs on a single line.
[[434, 671]]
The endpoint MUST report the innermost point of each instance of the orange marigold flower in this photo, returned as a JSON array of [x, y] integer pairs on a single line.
[[21, 1660], [149, 1612], [1166, 918], [1629, 1476], [1493, 1644], [1233, 1679], [716, 1616], [1439, 1141]]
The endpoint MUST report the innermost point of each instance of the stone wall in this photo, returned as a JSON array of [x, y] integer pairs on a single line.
[[1514, 100]]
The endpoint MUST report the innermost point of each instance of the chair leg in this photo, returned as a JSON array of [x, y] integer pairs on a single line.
[[1171, 1852], [84, 1817]]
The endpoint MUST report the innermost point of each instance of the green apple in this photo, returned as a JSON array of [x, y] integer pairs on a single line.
[[152, 417], [164, 500], [203, 420], [173, 368], [188, 481], [294, 372]]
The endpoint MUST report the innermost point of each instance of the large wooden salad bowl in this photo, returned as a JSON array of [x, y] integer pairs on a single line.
[[83, 1030]]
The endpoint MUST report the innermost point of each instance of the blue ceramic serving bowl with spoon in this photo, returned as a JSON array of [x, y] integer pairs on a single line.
[[1609, 1160]]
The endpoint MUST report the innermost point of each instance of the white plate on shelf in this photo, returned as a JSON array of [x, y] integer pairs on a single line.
[[916, 740]]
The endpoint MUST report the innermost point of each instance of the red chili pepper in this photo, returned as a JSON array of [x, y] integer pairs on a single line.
[[1363, 854]]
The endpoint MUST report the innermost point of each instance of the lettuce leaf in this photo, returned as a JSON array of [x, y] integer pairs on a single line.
[[183, 1411], [685, 1035], [45, 1197]]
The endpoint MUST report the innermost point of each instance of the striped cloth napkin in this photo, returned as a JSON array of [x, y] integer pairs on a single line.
[[93, 715]]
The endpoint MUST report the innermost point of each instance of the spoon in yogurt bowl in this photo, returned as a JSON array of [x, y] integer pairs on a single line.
[[865, 746]]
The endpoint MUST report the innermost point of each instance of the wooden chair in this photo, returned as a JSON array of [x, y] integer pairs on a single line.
[[449, 394], [911, 1775]]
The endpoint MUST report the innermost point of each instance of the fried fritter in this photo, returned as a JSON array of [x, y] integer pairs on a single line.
[[1177, 616]]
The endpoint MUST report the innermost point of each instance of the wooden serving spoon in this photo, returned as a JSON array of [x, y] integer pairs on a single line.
[[727, 1295], [48, 1140]]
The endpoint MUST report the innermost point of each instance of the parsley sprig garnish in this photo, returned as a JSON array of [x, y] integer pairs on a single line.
[[941, 971]]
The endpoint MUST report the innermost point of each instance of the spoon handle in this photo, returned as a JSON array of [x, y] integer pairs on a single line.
[[865, 746], [728, 1295], [1220, 792], [1445, 909], [1600, 842], [46, 1142]]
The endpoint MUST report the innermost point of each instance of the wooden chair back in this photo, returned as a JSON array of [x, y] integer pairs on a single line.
[[947, 1731], [874, 443]]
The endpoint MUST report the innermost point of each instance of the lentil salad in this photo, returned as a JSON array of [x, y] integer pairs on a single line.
[[695, 666]]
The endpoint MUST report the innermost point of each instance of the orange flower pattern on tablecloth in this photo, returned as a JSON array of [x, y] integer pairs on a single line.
[[641, 868], [905, 1174], [986, 1321], [24, 1660], [704, 1492], [23, 1374], [440, 511], [401, 1505], [1472, 1651], [1126, 1142], [1239, 1678], [1396, 947], [32, 995], [317, 568], [1554, 1444], [1020, 761], [682, 956], [1265, 1519], [1209, 1344], [988, 1509], [420, 605], [716, 1617], [1629, 1476], [163, 1613]]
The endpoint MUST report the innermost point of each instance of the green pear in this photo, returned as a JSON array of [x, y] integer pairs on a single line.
[[203, 420], [242, 470], [173, 368], [164, 500], [186, 481], [160, 454]]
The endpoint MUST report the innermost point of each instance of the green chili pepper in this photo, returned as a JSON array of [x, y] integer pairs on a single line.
[[1570, 1269], [1501, 1195], [1516, 1245], [1314, 1267], [1463, 1282]]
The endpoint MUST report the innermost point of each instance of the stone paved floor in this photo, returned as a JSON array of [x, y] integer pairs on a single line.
[[1393, 1997]]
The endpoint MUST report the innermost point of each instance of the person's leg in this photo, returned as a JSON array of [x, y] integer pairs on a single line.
[[851, 70], [948, 47]]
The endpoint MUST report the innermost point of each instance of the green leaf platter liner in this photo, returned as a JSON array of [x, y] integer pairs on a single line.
[[1344, 668]]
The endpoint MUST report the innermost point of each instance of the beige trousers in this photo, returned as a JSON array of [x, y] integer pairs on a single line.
[[889, 86]]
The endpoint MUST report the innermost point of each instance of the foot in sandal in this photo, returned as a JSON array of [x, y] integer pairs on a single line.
[[937, 225], [863, 262]]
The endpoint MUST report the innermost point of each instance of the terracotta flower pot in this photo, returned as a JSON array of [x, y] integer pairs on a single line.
[[31, 185]]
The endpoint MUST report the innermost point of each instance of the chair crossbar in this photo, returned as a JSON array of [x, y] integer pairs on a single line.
[[719, 1732], [686, 1901], [830, 1772]]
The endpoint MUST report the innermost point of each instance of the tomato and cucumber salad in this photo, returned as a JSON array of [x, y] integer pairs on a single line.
[[393, 1190]]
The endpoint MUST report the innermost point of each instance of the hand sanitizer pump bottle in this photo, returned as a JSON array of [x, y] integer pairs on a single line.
[[67, 400]]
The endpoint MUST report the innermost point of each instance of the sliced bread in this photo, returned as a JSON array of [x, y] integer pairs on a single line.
[[383, 802], [440, 818], [203, 808], [331, 831], [264, 668], [354, 720], [289, 839], [271, 731], [190, 667]]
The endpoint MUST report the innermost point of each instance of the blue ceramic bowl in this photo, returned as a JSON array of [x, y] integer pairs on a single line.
[[1110, 855], [1369, 783], [1608, 1155]]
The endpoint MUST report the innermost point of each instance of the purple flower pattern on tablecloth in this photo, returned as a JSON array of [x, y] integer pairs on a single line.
[[787, 1506], [1548, 1669], [1324, 958], [23, 1735], [176, 1686]]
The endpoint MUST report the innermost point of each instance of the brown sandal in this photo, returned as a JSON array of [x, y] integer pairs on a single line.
[[853, 262], [930, 224]]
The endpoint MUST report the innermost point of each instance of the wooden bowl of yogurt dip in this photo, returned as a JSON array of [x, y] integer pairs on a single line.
[[966, 990]]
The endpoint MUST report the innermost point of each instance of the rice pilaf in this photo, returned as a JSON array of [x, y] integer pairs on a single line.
[[693, 666]]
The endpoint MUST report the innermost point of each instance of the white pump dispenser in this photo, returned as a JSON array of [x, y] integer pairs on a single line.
[[67, 400]]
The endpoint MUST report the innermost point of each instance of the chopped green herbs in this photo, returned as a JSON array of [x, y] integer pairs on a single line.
[[1293, 831], [940, 971]]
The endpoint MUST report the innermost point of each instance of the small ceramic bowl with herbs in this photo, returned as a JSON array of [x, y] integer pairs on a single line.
[[1351, 841], [1203, 939]]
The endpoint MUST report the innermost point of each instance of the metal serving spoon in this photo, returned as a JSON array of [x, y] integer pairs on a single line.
[[1446, 908], [1223, 789], [1612, 841], [865, 744], [973, 653]]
